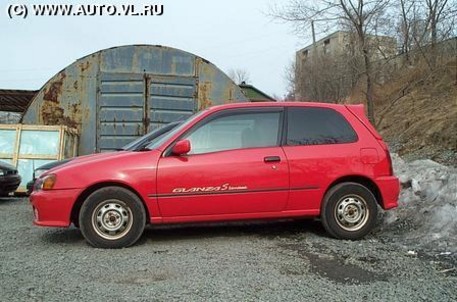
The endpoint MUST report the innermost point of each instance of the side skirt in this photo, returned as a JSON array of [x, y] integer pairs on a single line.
[[238, 216]]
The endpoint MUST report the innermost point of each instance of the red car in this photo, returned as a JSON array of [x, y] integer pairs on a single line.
[[229, 162]]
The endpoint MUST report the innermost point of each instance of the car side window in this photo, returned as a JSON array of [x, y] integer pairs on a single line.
[[236, 131], [318, 126]]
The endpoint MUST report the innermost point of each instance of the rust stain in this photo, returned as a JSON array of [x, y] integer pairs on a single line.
[[229, 94], [75, 116], [69, 122], [84, 66], [54, 90], [203, 99], [53, 114]]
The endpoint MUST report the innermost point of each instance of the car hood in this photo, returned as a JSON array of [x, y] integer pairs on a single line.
[[94, 156], [55, 165], [81, 159], [113, 167]]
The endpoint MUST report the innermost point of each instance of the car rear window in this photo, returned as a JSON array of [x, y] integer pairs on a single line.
[[318, 126]]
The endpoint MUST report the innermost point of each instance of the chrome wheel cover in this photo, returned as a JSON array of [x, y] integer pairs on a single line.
[[351, 213], [112, 219]]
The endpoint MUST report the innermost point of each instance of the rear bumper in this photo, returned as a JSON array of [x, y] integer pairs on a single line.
[[53, 208], [390, 190]]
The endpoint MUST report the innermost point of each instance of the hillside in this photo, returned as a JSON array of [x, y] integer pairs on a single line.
[[416, 112]]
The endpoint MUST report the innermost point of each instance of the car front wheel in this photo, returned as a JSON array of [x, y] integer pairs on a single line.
[[112, 217], [349, 211]]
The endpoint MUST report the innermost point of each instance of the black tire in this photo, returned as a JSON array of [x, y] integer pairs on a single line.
[[112, 217], [349, 211]]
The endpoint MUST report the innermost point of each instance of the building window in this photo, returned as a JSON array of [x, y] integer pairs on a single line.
[[326, 48]]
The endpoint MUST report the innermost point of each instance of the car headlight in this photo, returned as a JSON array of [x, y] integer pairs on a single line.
[[2, 172], [45, 183]]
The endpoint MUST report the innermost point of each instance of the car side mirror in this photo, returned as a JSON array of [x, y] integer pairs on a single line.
[[181, 147]]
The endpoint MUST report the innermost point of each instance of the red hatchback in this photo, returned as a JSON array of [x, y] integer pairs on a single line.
[[229, 162]]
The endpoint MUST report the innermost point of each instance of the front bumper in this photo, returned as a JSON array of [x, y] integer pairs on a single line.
[[9, 183], [53, 207], [390, 190], [29, 186]]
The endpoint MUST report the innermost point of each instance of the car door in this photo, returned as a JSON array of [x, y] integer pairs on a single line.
[[235, 166], [319, 147]]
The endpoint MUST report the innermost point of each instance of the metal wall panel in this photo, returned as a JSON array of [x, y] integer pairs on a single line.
[[121, 110], [171, 99]]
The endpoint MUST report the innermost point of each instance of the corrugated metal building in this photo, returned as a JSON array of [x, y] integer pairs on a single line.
[[117, 94]]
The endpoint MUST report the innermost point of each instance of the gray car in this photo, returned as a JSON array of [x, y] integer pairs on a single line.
[[9, 179]]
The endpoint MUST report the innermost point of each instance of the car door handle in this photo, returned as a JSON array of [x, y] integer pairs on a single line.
[[271, 159]]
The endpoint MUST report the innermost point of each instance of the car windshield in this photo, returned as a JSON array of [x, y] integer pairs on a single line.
[[163, 138], [141, 142]]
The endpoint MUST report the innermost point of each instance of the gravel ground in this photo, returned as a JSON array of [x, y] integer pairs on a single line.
[[410, 151], [260, 261]]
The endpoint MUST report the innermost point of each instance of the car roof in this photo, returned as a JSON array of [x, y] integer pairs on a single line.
[[275, 104]]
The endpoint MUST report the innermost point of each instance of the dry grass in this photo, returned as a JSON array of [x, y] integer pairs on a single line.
[[418, 107]]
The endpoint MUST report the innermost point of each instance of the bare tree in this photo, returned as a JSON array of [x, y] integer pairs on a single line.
[[326, 78], [437, 11], [412, 25], [239, 76], [359, 15], [291, 78], [423, 24], [405, 28]]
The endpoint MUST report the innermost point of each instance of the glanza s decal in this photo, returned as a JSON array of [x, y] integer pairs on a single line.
[[221, 188]]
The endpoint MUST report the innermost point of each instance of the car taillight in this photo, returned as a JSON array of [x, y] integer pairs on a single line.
[[389, 159]]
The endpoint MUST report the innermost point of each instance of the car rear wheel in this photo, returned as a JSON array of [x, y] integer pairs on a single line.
[[349, 211], [112, 217]]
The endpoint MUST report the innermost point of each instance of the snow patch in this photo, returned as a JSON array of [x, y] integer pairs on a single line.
[[427, 213]]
